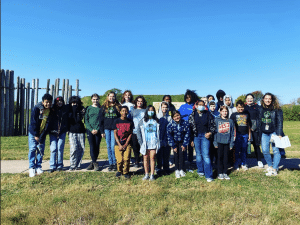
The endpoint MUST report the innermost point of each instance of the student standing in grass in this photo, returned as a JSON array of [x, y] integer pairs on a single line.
[[58, 128], [148, 137], [37, 134], [76, 132], [137, 114], [212, 150], [270, 122], [123, 127], [223, 141], [109, 112], [178, 134], [242, 125], [228, 102], [171, 107], [92, 123], [126, 100]]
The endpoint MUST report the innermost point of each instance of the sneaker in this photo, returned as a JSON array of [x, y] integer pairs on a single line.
[[209, 180], [260, 164], [71, 168], [91, 166], [221, 176], [96, 166], [226, 177], [39, 171], [118, 174], [51, 170], [182, 173], [191, 171], [59, 169], [275, 172], [177, 174], [269, 171], [78, 168], [170, 163], [201, 174], [31, 172], [114, 167], [272, 172], [110, 167], [146, 177], [244, 167], [152, 178], [127, 176]]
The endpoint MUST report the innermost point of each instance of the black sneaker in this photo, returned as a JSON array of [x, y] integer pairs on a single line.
[[110, 167], [78, 168], [91, 166], [114, 168], [118, 174], [71, 168], [59, 169], [127, 176], [51, 170], [96, 166]]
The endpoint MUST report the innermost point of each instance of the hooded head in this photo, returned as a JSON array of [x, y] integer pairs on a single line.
[[220, 94], [231, 102], [160, 113]]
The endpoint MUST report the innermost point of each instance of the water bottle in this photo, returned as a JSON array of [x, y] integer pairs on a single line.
[[249, 148]]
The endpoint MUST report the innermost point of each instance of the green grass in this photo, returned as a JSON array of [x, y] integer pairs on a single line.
[[13, 148]]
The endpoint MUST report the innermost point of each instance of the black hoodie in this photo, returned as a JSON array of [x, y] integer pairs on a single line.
[[220, 94]]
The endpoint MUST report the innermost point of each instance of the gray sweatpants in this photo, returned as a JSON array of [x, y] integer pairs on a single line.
[[77, 143]]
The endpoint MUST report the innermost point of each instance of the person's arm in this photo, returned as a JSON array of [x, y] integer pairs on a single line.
[[170, 138], [101, 118], [86, 120], [117, 140], [232, 131], [186, 139], [139, 132]]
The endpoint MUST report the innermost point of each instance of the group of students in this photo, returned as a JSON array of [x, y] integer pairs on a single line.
[[212, 127]]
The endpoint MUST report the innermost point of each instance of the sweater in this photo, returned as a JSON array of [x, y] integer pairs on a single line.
[[224, 132], [92, 118], [178, 132], [107, 118]]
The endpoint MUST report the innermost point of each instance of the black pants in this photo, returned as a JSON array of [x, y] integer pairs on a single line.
[[136, 148], [162, 158], [223, 150], [189, 153], [94, 141], [179, 157], [255, 143], [213, 153]]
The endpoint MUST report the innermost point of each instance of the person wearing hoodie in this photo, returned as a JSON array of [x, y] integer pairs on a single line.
[[212, 108], [227, 100], [185, 111], [57, 132], [212, 150], [210, 98], [220, 94], [37, 134], [171, 107], [163, 153]]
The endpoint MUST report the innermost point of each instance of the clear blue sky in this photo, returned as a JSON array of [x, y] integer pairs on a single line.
[[156, 47]]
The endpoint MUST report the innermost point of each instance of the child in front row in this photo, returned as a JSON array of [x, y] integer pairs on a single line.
[[223, 141], [123, 127]]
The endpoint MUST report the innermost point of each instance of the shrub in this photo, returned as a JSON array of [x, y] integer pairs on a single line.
[[291, 112]]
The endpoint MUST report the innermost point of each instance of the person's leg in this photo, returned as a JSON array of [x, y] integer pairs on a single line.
[[60, 153], [40, 154], [53, 151], [92, 142], [166, 157], [199, 161], [146, 162], [136, 148], [81, 146], [176, 159], [97, 144], [205, 144], [181, 157], [265, 145], [73, 152], [256, 146], [225, 161], [126, 159], [238, 149], [152, 154], [244, 149], [220, 158], [277, 157], [119, 157], [159, 158], [112, 146], [32, 144], [108, 144], [190, 150]]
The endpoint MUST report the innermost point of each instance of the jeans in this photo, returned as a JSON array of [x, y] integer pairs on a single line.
[[241, 144], [57, 144], [265, 145], [94, 141], [110, 142], [203, 162], [34, 156], [162, 157]]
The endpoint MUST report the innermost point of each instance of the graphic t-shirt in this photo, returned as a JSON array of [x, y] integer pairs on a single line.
[[150, 128], [241, 122], [44, 116], [124, 129], [223, 127], [266, 122], [137, 115]]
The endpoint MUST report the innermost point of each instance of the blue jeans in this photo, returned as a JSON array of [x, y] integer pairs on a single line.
[[57, 145], [202, 155], [241, 144], [110, 142], [34, 156], [265, 145]]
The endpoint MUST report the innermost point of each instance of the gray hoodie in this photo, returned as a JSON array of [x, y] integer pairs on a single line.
[[224, 132], [231, 108]]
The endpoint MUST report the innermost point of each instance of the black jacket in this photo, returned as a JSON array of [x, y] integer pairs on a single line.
[[76, 116], [59, 120], [253, 110]]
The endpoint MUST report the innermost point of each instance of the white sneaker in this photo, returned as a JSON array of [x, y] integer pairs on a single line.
[[226, 177], [260, 164], [177, 174], [269, 171], [31, 172], [244, 167], [146, 177], [209, 180], [39, 171], [182, 173]]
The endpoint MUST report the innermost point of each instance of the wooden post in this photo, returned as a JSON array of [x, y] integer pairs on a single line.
[[17, 106], [67, 96], [2, 109], [70, 91], [22, 103], [52, 91], [57, 88], [48, 86], [27, 108], [11, 103], [6, 131], [32, 94], [63, 90], [36, 91], [77, 87]]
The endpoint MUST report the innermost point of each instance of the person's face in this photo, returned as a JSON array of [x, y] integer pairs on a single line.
[[224, 113], [151, 109], [268, 100], [74, 103], [167, 99], [164, 108], [240, 108], [59, 103], [210, 98], [127, 96], [111, 97], [95, 100], [228, 101], [140, 103], [188, 99], [47, 104], [124, 112], [176, 117], [200, 104], [249, 100], [212, 107], [205, 100]]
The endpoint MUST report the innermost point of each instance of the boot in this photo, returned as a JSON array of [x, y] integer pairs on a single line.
[[96, 166], [90, 167]]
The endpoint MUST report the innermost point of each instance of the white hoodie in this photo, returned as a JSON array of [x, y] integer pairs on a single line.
[[231, 108]]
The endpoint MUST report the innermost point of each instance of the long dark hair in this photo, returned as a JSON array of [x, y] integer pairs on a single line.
[[77, 100], [146, 117], [123, 96], [274, 103], [163, 99], [192, 94], [144, 101]]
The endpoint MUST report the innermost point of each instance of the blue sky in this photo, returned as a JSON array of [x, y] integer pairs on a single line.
[[156, 47]]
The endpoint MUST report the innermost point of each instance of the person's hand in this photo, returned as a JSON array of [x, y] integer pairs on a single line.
[[207, 135], [230, 148], [249, 138], [183, 148], [103, 135], [192, 144], [175, 150], [37, 139], [216, 146], [121, 148], [280, 137]]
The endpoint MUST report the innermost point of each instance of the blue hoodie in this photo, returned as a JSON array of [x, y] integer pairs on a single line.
[[186, 110]]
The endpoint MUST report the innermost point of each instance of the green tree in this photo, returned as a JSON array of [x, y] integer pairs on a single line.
[[117, 91], [257, 96], [298, 101], [241, 97]]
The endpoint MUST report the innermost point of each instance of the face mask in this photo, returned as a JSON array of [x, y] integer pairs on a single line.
[[150, 113], [201, 108]]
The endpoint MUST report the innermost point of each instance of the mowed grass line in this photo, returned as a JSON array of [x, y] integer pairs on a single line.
[[99, 198], [16, 148]]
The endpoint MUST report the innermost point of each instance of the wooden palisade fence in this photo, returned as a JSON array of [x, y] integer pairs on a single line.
[[18, 100]]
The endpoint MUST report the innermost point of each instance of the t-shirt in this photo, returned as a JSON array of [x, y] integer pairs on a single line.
[[266, 122], [124, 129], [44, 117], [150, 128], [241, 122], [137, 115]]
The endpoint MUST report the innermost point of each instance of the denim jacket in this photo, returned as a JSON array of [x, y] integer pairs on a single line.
[[178, 133]]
